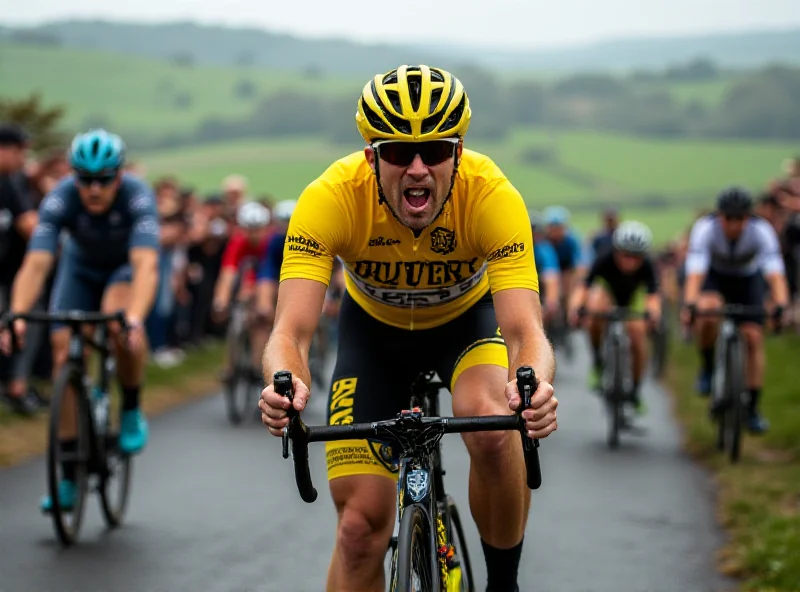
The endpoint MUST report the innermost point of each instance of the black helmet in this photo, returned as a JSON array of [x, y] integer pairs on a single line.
[[734, 201]]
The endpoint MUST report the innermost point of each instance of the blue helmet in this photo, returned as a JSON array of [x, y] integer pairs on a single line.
[[556, 215], [97, 151]]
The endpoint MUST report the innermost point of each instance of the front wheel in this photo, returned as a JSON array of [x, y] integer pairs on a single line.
[[417, 568], [734, 411], [115, 479], [238, 391], [614, 395], [456, 537], [68, 461]]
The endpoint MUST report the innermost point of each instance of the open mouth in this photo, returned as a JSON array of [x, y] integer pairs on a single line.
[[417, 198]]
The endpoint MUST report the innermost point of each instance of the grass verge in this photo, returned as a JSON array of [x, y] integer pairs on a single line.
[[22, 438], [759, 499]]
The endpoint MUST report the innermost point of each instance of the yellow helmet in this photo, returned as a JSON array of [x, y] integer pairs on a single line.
[[413, 104]]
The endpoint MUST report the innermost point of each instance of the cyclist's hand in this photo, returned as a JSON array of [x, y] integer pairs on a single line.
[[540, 419], [687, 312], [219, 310], [19, 327], [574, 315], [273, 406]]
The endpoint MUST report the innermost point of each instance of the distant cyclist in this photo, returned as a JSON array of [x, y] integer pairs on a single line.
[[243, 254], [546, 260], [568, 247], [269, 271], [108, 262], [625, 276], [602, 242], [731, 254]]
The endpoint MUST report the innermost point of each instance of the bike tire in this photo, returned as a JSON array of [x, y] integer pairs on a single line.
[[459, 541], [734, 410], [117, 465], [417, 567], [67, 530], [238, 389], [615, 397]]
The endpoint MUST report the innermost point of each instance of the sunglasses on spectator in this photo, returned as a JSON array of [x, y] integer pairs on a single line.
[[102, 180], [403, 153]]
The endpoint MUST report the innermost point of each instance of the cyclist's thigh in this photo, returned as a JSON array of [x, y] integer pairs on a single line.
[[117, 293], [711, 295], [371, 382], [601, 297], [744, 290], [75, 288], [473, 360]]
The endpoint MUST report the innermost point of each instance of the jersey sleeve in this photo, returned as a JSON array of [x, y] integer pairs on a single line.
[[52, 218], [234, 252], [770, 259], [318, 230], [145, 227], [596, 270], [270, 268], [698, 257], [547, 261], [502, 232]]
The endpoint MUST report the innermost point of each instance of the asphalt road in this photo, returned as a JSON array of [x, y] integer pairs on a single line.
[[214, 508]]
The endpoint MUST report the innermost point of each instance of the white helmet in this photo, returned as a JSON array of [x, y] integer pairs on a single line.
[[252, 215], [633, 237], [283, 210]]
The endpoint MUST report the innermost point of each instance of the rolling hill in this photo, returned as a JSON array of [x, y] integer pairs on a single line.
[[215, 45]]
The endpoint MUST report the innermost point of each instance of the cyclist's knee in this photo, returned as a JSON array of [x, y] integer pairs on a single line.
[[753, 335], [365, 518], [636, 331], [485, 446], [709, 301], [59, 342]]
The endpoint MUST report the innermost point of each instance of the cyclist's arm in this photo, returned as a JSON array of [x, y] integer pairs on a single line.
[[578, 297], [143, 248], [653, 299], [698, 259], [772, 266], [294, 328], [503, 233], [41, 253], [319, 227], [228, 271], [30, 280], [144, 264]]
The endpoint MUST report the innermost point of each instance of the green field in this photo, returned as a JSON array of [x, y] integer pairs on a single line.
[[592, 170], [138, 94]]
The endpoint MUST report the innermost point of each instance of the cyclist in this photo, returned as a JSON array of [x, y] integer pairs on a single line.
[[729, 251], [602, 241], [571, 259], [269, 270], [547, 267], [438, 253], [108, 262], [245, 250], [621, 277]]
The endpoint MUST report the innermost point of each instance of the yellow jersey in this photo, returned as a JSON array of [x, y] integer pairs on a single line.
[[481, 240]]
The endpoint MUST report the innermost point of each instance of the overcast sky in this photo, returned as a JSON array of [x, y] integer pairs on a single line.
[[512, 23]]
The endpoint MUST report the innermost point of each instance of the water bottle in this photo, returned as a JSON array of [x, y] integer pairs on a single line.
[[100, 405]]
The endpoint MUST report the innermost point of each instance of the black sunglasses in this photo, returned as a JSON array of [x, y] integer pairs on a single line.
[[102, 180], [403, 153]]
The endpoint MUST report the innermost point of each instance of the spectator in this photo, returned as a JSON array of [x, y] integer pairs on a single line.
[[18, 218], [234, 190]]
